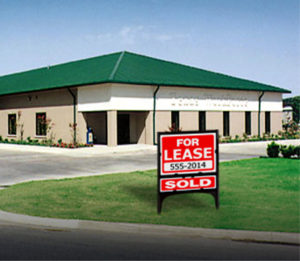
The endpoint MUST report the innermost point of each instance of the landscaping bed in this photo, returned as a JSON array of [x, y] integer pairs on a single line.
[[45, 142], [255, 194]]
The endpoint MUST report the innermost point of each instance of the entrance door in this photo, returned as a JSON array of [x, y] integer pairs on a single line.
[[123, 129]]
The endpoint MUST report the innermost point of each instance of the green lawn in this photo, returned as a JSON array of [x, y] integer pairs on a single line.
[[255, 194]]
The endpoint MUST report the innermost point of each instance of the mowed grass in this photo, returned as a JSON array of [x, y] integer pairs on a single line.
[[256, 194]]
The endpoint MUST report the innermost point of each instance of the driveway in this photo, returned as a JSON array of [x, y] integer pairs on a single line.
[[25, 163]]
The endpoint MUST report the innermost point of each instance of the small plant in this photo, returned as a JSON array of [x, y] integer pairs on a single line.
[[273, 150], [73, 129], [237, 138], [245, 137], [20, 125], [173, 128]]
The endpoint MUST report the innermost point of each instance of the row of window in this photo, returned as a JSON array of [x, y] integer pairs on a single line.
[[40, 124], [226, 122]]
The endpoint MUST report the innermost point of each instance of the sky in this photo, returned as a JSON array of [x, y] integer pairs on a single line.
[[257, 40]]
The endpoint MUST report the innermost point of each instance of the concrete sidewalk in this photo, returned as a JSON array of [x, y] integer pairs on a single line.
[[253, 148], [80, 152], [247, 148], [241, 235]]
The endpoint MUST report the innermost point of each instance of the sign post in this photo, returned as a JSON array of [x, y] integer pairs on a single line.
[[187, 162]]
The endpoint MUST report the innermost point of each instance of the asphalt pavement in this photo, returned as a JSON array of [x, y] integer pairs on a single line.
[[25, 163], [35, 243]]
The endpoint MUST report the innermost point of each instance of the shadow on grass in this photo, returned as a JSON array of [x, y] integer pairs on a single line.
[[191, 200], [142, 192], [148, 194]]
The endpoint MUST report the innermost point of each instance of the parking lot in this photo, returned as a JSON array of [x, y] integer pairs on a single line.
[[25, 163]]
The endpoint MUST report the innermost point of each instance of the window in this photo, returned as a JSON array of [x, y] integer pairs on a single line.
[[267, 122], [248, 122], [12, 124], [175, 121], [226, 123], [202, 121], [41, 125]]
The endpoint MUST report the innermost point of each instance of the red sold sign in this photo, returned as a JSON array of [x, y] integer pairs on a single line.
[[189, 153], [184, 184]]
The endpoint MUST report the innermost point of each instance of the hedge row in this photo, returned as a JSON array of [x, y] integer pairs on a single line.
[[274, 149]]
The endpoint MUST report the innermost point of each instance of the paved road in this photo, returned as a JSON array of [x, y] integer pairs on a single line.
[[24, 242], [24, 163], [20, 166], [23, 166]]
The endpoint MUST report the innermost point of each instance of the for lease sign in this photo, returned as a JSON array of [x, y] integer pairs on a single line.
[[188, 153], [187, 162]]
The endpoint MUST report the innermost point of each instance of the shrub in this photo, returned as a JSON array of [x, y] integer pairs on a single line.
[[287, 152], [273, 150], [245, 137], [297, 151], [237, 138]]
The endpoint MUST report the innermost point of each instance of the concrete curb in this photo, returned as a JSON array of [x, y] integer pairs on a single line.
[[240, 235]]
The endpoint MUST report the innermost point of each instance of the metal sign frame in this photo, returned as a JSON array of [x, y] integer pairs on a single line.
[[214, 191]]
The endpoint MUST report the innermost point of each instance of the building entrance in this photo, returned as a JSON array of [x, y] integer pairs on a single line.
[[123, 128], [97, 121]]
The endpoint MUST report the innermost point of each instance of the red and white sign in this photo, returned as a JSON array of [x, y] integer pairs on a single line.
[[188, 153], [182, 184]]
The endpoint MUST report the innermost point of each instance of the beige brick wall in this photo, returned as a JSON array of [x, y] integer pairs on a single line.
[[149, 128], [254, 123], [58, 105], [214, 121], [162, 121], [189, 120], [237, 123], [276, 121], [262, 123]]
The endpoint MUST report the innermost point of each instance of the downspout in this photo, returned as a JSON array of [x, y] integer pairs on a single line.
[[154, 112], [74, 116], [259, 109]]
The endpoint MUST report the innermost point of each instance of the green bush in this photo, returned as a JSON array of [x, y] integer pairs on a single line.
[[273, 150], [287, 152], [297, 151]]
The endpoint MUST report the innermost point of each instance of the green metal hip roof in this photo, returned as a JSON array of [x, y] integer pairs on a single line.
[[124, 67]]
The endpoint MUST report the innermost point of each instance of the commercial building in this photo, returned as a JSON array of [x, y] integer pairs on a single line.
[[126, 98]]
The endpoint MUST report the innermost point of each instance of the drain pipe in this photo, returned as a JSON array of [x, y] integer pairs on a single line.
[[154, 112], [74, 116], [259, 109]]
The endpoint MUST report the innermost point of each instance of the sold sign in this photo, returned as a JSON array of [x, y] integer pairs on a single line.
[[186, 184], [187, 162]]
